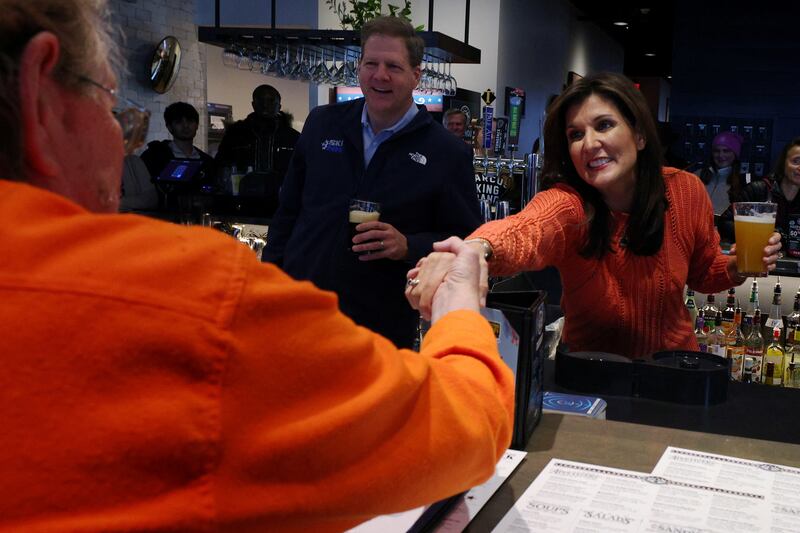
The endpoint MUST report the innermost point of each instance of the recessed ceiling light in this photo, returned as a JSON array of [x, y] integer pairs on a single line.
[[620, 23], [649, 54]]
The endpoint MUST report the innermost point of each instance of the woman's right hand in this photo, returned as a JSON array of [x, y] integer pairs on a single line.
[[453, 277]]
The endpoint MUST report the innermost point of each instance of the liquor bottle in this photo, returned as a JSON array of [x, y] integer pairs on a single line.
[[700, 334], [793, 321], [754, 348], [775, 319], [736, 347], [710, 308], [773, 360], [691, 305], [716, 338], [751, 310], [728, 312], [791, 370]]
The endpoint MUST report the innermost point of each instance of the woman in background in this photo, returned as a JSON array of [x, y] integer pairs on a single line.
[[626, 234], [782, 188], [722, 175]]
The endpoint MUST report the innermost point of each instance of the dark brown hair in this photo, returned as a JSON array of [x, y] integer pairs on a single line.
[[85, 44], [396, 27], [645, 232]]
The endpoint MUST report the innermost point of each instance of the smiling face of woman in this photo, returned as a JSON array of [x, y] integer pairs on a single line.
[[723, 156], [604, 148]]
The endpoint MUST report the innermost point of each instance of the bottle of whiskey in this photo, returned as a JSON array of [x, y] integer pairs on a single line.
[[754, 348], [710, 309], [774, 360], [691, 305], [736, 347], [727, 313], [700, 334]]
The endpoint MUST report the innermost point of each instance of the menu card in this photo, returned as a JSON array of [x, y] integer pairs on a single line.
[[779, 485], [571, 496]]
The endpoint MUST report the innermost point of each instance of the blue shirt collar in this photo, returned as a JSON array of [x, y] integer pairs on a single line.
[[397, 126]]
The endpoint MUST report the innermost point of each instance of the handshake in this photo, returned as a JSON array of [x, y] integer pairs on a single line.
[[454, 276]]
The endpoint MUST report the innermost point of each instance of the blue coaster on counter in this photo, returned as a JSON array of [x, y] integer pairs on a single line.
[[574, 404]]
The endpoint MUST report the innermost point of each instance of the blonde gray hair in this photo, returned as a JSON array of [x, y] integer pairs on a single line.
[[85, 37]]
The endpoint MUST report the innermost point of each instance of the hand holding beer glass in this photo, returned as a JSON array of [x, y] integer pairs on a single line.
[[362, 211], [754, 224]]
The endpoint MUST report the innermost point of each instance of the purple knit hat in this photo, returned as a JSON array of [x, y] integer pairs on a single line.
[[729, 140]]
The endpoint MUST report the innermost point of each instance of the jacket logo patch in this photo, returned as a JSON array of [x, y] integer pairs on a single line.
[[418, 158], [333, 145]]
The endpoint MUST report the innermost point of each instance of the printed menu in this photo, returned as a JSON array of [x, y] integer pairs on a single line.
[[571, 496]]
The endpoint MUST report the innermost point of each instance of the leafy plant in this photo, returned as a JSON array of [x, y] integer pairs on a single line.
[[362, 11]]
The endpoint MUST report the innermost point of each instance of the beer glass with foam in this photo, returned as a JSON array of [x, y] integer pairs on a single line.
[[362, 211], [754, 223]]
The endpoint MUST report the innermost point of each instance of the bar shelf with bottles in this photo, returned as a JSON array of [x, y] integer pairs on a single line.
[[769, 354]]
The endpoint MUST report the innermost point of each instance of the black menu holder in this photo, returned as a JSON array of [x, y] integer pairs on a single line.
[[525, 312]]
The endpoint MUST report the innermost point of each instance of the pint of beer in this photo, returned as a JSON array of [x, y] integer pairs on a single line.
[[754, 223], [362, 211]]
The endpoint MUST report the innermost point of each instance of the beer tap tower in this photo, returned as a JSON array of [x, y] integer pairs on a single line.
[[524, 168]]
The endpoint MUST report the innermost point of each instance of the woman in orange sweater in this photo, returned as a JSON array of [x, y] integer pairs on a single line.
[[625, 234]]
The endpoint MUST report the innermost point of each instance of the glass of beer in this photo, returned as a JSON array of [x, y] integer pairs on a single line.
[[754, 223], [362, 211]]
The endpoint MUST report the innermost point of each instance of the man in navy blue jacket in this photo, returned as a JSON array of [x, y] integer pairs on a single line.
[[385, 149]]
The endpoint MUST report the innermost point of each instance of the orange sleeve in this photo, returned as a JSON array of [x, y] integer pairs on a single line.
[[325, 424], [539, 236]]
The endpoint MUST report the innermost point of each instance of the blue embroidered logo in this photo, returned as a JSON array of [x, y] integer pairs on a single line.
[[333, 145]]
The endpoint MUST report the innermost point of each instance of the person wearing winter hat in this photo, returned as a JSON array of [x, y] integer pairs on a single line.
[[721, 176]]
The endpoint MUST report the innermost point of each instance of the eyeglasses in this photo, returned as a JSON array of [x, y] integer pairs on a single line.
[[132, 118]]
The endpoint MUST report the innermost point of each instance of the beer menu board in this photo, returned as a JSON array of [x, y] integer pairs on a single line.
[[688, 491]]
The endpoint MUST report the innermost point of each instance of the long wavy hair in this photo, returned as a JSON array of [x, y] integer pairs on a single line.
[[645, 233]]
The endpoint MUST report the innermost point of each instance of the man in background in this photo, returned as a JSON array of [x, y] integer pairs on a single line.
[[384, 149], [182, 121], [455, 120], [137, 392], [260, 146]]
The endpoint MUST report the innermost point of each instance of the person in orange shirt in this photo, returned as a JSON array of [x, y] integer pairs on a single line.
[[137, 390], [626, 234]]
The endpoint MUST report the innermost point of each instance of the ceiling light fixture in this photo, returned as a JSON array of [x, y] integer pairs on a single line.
[[649, 54], [621, 23]]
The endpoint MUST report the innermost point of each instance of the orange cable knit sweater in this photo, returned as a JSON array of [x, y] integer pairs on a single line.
[[160, 378], [623, 303]]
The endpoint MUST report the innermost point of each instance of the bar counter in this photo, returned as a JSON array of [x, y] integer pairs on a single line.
[[619, 445], [757, 422]]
